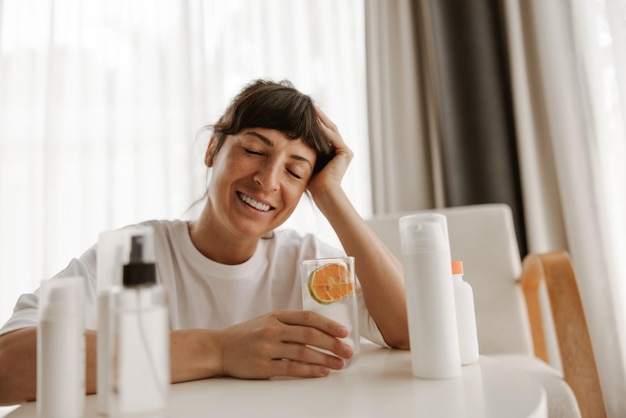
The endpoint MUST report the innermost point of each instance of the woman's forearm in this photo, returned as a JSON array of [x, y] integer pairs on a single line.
[[18, 365], [192, 357], [378, 270]]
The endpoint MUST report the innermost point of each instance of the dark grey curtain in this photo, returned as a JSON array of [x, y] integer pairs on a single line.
[[477, 132]]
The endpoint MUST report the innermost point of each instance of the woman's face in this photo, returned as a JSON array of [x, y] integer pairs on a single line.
[[258, 177]]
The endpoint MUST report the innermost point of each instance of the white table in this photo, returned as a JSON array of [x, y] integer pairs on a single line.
[[378, 384]]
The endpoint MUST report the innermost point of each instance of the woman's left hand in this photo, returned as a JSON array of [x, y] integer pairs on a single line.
[[330, 177]]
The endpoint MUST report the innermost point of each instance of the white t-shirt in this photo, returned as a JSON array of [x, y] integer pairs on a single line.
[[206, 294]]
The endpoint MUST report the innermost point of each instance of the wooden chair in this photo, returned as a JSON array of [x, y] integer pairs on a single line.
[[523, 307]]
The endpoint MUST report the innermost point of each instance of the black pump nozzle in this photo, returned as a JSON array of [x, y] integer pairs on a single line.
[[137, 271], [136, 249]]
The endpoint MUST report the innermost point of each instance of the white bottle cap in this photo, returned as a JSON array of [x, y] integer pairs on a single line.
[[61, 297], [423, 233]]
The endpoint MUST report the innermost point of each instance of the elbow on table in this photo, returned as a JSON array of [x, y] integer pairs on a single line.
[[9, 391], [396, 333], [398, 341], [5, 399], [399, 345], [18, 365], [7, 395]]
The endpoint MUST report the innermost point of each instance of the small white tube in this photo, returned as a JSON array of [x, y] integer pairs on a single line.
[[61, 349], [465, 315]]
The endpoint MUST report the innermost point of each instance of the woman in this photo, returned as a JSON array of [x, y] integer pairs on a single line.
[[232, 281]]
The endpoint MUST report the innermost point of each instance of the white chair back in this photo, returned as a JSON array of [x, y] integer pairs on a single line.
[[483, 238]]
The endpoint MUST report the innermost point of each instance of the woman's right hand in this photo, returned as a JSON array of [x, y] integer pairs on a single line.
[[330, 177], [277, 344]]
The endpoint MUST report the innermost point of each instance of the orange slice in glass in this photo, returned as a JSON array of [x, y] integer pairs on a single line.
[[330, 283]]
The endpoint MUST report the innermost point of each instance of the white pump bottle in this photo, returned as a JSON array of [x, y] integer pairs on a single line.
[[430, 298]]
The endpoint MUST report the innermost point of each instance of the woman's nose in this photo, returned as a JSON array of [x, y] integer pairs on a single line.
[[268, 177]]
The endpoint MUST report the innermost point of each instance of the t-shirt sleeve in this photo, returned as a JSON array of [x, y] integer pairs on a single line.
[[26, 310], [367, 327]]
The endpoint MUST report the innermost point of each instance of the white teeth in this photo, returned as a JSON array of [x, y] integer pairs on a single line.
[[257, 205]]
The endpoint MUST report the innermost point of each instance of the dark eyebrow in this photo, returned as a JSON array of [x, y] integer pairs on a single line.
[[269, 143], [265, 139]]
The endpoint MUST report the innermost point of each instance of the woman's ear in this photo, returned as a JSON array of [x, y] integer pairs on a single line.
[[210, 152]]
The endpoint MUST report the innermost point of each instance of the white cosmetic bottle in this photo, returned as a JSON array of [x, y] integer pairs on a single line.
[[113, 253], [141, 367], [61, 349], [430, 296], [465, 315]]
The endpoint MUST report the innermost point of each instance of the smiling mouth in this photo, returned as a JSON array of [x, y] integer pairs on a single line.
[[255, 204]]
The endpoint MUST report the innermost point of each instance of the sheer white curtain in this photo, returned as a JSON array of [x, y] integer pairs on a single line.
[[101, 103], [569, 73], [405, 169]]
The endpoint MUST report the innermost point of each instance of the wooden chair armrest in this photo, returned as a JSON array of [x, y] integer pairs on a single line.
[[579, 366]]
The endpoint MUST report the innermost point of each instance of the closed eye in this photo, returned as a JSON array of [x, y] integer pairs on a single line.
[[294, 174], [253, 152]]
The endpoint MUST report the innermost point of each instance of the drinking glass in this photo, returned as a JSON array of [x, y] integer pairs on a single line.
[[329, 289]]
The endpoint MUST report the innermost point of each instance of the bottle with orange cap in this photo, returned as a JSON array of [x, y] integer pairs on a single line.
[[465, 315]]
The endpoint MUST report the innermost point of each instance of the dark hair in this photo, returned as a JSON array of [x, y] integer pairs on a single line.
[[279, 106]]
